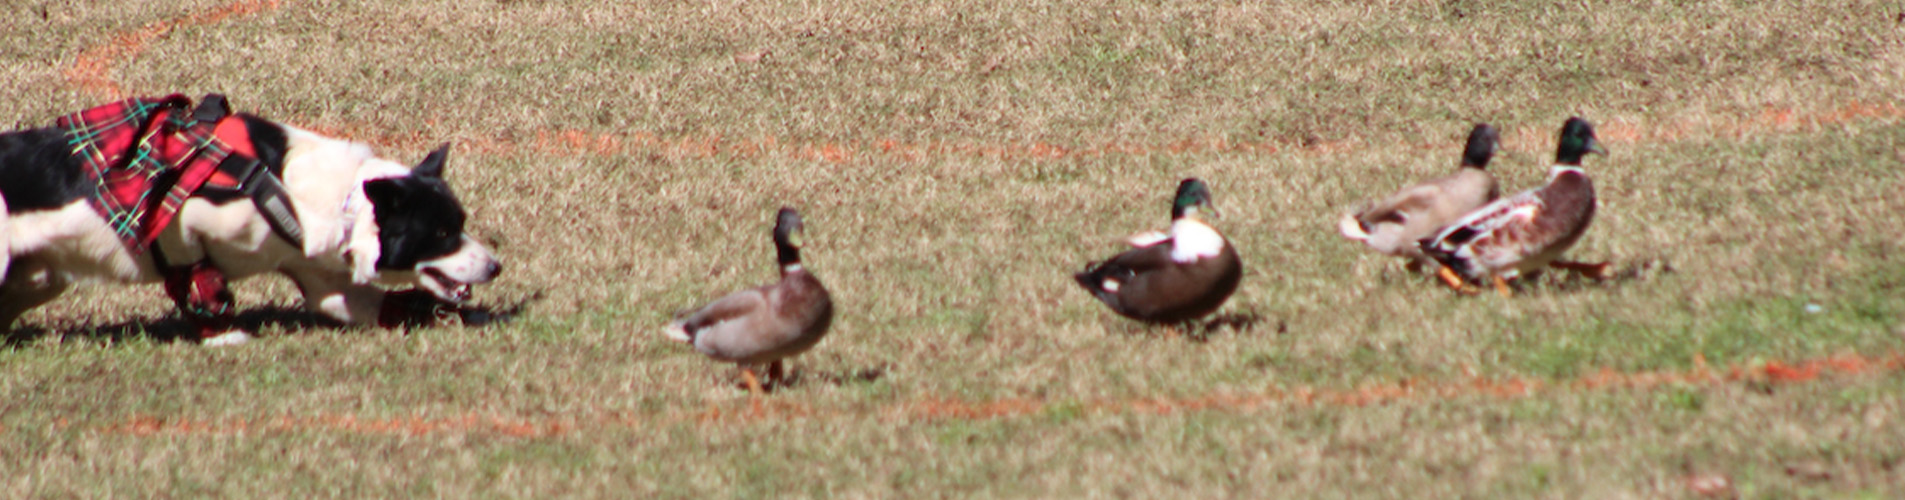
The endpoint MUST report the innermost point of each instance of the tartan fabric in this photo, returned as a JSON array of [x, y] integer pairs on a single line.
[[200, 292], [147, 156]]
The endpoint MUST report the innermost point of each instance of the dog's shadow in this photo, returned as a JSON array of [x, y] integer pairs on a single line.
[[270, 317]]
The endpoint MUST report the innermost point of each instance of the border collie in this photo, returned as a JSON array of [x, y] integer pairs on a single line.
[[354, 222]]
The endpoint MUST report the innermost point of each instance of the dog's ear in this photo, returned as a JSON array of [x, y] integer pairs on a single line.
[[385, 194], [432, 165]]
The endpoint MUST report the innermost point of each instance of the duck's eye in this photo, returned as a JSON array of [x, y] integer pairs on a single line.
[[443, 234]]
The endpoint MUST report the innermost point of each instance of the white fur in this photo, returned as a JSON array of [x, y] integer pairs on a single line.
[[1192, 240], [335, 268], [471, 263], [227, 339]]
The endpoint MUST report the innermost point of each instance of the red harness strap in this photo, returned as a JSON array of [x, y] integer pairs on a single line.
[[199, 290], [147, 157]]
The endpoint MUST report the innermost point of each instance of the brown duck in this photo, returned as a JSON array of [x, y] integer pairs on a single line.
[[1527, 231], [767, 324], [1395, 224]]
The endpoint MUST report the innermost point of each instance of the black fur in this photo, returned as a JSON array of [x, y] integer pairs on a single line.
[[39, 172], [268, 140], [418, 218]]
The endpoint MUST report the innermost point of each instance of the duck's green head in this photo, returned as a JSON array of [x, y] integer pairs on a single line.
[[787, 235], [1483, 142], [1192, 196], [1577, 140]]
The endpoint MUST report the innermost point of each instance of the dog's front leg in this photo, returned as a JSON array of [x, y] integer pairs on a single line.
[[28, 283], [199, 290], [334, 296]]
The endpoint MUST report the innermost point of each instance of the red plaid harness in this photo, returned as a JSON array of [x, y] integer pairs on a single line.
[[147, 157]]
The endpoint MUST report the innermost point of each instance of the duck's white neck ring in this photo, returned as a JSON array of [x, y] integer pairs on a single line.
[[1557, 170]]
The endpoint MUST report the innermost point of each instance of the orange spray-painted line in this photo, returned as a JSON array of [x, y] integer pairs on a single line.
[[931, 409], [91, 70]]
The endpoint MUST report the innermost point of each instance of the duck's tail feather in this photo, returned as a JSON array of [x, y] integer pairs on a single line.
[[1352, 228]]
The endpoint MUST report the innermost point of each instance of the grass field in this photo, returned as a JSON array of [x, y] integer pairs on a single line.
[[955, 162]]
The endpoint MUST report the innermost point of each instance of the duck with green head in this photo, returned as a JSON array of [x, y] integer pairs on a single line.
[[1173, 277], [1527, 231], [766, 324]]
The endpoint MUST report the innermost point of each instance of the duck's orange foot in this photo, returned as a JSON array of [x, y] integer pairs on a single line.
[[1454, 282], [753, 382]]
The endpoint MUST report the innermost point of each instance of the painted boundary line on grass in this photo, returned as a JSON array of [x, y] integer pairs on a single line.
[[937, 409], [92, 68], [91, 71]]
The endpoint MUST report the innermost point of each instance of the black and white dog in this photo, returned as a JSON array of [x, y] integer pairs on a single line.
[[354, 221]]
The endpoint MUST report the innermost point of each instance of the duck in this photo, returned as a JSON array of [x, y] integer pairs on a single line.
[[1170, 277], [765, 324], [1528, 231], [1394, 225]]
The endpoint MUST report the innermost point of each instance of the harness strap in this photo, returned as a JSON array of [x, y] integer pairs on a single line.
[[200, 293], [148, 156], [243, 170]]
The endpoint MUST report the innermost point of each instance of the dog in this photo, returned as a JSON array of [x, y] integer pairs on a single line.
[[155, 190]]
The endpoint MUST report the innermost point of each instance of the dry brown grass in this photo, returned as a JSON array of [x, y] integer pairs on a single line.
[[955, 160]]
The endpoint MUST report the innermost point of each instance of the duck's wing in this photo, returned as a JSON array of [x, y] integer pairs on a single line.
[[1139, 260], [733, 307], [1393, 225], [1501, 215], [1398, 209], [1492, 237], [1109, 276]]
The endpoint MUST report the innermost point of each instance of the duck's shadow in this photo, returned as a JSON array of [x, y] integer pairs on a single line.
[[1236, 323], [843, 377], [269, 317], [1565, 281], [798, 377]]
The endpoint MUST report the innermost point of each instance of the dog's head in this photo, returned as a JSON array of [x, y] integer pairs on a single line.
[[420, 230]]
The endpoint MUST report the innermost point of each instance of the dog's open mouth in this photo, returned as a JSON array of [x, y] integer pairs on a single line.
[[445, 287]]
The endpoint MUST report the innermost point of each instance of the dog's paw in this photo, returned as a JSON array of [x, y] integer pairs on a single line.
[[229, 338]]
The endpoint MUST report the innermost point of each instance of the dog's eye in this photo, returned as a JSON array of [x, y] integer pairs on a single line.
[[442, 234]]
